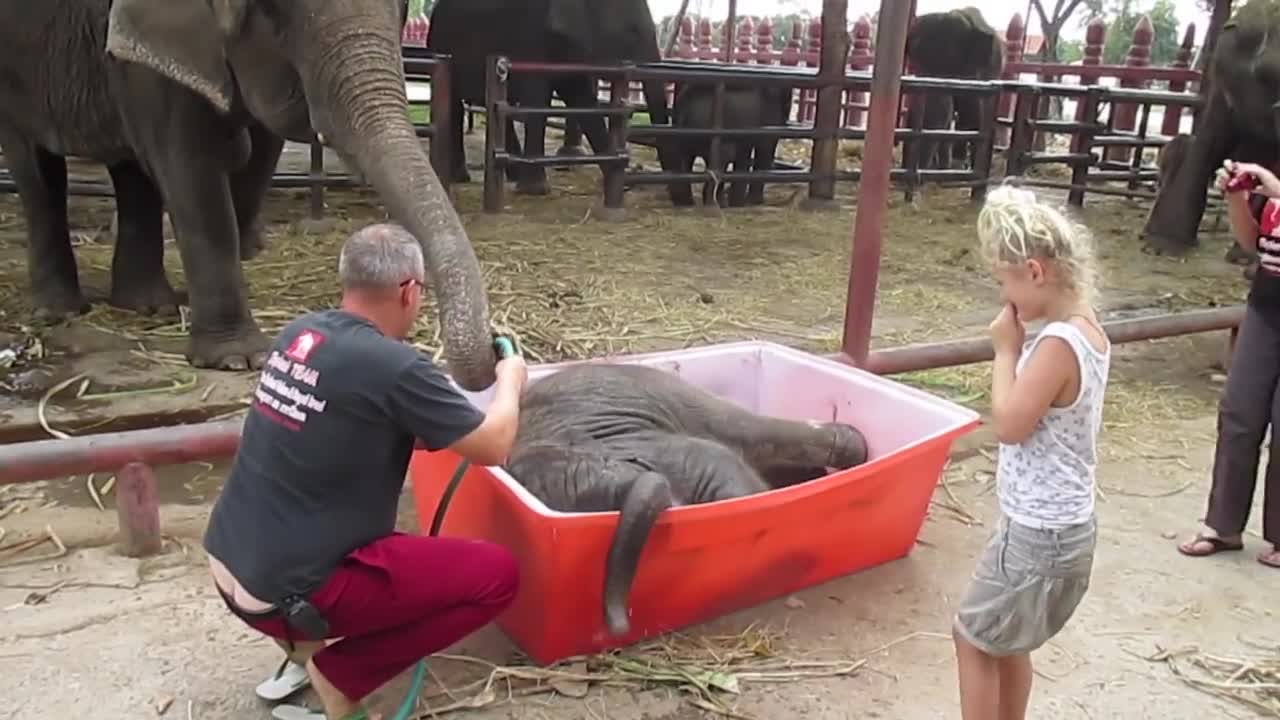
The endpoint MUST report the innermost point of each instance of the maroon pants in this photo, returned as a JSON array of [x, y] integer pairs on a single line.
[[399, 599]]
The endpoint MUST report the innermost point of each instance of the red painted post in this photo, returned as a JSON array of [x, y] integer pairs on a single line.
[[791, 54], [1172, 123], [873, 186], [1013, 36], [764, 42], [812, 58], [705, 51], [746, 34], [1126, 114], [861, 49], [1095, 41], [138, 510], [685, 48]]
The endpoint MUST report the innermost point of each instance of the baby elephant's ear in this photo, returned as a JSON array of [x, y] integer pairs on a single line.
[[180, 39]]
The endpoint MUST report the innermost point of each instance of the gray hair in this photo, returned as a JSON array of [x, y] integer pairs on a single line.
[[380, 256]]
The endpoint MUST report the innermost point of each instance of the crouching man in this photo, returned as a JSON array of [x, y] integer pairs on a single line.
[[302, 542]]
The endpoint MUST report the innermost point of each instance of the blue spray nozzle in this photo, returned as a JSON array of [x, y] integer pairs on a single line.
[[504, 346]]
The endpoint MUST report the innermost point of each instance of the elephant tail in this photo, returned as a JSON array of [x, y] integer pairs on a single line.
[[648, 495]]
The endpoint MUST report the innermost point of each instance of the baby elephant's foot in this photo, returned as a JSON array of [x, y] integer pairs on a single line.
[[848, 446]]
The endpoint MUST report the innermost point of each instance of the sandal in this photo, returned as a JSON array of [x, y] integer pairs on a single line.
[[1216, 545], [1271, 558], [299, 712]]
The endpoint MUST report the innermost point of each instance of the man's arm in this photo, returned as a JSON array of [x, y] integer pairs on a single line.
[[490, 443], [442, 417]]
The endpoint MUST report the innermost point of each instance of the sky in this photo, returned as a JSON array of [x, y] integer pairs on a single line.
[[997, 12]]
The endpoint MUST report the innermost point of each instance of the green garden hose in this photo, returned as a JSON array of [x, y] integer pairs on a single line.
[[505, 349]]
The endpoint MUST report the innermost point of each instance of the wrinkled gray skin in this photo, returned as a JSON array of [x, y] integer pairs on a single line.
[[591, 31], [189, 101], [612, 437], [1169, 160], [952, 44], [744, 106], [1239, 121]]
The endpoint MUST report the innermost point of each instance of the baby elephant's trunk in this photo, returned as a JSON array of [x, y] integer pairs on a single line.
[[648, 496]]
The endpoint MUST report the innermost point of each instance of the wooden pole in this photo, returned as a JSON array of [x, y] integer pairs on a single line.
[[826, 120]]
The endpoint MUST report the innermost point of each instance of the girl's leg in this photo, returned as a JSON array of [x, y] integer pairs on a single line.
[[979, 675], [1243, 415], [1015, 686]]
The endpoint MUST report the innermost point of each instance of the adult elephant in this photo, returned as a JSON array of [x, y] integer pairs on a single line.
[[600, 437], [745, 106], [1239, 121], [590, 31], [952, 44], [198, 97]]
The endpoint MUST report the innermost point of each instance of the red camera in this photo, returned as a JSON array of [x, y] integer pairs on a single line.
[[1241, 181]]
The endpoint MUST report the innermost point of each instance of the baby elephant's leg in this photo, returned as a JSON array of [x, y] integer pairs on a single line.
[[698, 469]]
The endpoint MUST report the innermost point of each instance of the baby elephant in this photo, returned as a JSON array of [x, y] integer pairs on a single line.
[[612, 437], [745, 106]]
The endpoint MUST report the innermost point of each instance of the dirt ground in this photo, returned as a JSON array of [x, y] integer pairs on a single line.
[[574, 286]]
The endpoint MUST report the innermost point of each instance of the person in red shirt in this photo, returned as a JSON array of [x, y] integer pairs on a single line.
[[1249, 403]]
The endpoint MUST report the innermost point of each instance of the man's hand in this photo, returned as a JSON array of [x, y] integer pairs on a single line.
[[490, 443], [512, 372]]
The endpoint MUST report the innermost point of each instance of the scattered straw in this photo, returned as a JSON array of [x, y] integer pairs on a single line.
[[706, 671], [1252, 681]]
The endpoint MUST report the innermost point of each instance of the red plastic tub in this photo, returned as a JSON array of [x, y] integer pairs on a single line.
[[703, 561]]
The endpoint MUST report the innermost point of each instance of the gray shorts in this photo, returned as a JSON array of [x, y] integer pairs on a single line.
[[1028, 583]]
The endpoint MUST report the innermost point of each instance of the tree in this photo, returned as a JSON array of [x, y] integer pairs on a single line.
[[1051, 24]]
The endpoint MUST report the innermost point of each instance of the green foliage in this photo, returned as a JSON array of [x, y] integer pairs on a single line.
[[1070, 51], [1122, 16], [420, 7]]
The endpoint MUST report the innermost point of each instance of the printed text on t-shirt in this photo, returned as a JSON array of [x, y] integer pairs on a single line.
[[286, 402]]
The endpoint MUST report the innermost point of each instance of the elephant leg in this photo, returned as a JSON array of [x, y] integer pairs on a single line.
[[578, 479], [1174, 221], [138, 279], [699, 470], [581, 93], [532, 179], [968, 111], [172, 136], [511, 142], [681, 193], [763, 156], [571, 146], [41, 179], [741, 163], [458, 161], [249, 185]]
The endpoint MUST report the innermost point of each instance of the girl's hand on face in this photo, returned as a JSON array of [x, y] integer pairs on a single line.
[[1268, 183], [1007, 331]]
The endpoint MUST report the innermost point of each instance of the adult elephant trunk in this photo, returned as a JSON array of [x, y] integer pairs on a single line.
[[355, 87]]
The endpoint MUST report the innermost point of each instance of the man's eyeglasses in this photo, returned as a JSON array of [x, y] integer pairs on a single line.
[[413, 281]]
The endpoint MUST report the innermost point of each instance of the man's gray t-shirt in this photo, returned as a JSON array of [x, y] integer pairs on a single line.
[[324, 451]]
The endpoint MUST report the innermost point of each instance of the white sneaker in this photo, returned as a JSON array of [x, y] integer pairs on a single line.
[[292, 679]]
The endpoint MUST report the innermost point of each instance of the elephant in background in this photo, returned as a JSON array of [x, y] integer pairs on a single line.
[[591, 31], [198, 97], [952, 44], [599, 437], [1239, 121], [745, 106]]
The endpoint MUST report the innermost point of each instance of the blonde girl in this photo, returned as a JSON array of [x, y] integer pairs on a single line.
[[1046, 409]]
